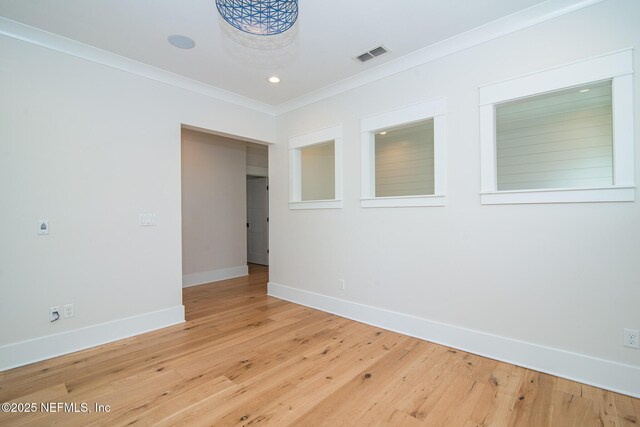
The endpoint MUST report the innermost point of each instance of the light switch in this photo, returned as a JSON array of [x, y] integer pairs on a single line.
[[43, 227]]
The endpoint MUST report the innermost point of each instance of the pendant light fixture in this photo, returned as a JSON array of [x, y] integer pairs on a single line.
[[259, 17]]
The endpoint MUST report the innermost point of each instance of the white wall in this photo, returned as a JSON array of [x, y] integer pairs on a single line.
[[558, 278], [89, 148], [257, 155], [214, 203], [257, 159]]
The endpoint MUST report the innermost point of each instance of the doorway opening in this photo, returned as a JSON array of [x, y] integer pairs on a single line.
[[257, 220], [222, 206], [257, 204]]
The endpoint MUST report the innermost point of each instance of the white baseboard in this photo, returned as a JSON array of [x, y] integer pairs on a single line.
[[37, 349], [195, 279], [605, 374]]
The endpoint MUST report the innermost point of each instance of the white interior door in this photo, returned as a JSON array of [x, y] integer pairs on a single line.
[[258, 220]]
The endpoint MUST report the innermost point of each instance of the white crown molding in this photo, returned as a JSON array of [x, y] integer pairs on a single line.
[[71, 47], [509, 24], [607, 374]]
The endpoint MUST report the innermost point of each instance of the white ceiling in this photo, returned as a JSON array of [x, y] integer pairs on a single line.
[[317, 52]]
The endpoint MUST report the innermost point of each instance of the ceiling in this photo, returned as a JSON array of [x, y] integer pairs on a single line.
[[317, 52]]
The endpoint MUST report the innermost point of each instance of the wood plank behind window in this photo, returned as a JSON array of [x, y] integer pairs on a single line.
[[318, 172], [558, 140], [404, 161]]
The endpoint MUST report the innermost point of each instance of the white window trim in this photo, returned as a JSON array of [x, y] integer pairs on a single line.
[[616, 66], [295, 180], [433, 109]]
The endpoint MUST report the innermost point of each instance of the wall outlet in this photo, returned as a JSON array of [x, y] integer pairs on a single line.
[[631, 338], [341, 284], [43, 227], [54, 314], [148, 219], [68, 311]]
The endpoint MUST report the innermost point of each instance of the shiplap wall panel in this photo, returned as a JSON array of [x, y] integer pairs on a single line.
[[550, 144], [558, 140], [389, 168], [404, 161], [553, 124], [317, 164], [555, 156]]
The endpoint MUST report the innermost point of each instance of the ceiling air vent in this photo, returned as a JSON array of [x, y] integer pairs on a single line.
[[365, 57], [376, 51]]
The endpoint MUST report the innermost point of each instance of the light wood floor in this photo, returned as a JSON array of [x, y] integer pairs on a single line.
[[243, 358]]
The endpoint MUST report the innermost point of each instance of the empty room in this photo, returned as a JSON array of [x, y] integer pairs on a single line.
[[304, 213]]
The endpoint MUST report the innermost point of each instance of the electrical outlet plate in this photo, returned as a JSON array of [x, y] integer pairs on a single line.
[[68, 311], [632, 338], [148, 219], [54, 314], [43, 227]]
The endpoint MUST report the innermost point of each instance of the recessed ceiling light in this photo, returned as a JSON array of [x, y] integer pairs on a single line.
[[181, 42], [274, 79], [383, 133], [584, 90]]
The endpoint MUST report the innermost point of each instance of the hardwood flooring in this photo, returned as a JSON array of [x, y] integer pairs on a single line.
[[243, 358]]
